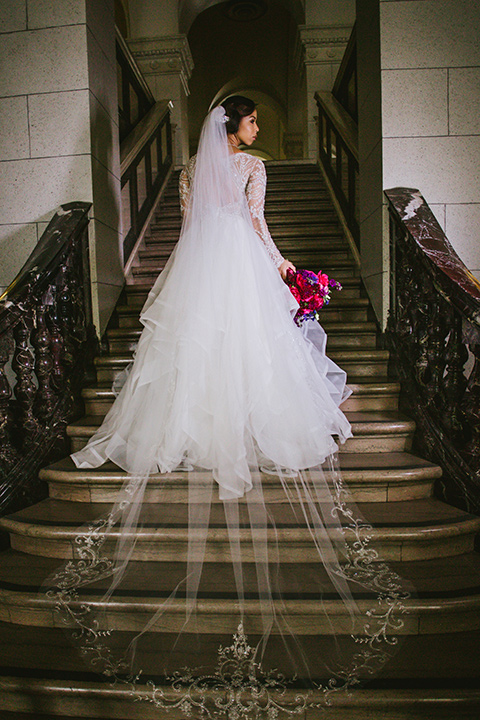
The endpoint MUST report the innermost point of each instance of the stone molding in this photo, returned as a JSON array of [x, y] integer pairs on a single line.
[[317, 45], [167, 55]]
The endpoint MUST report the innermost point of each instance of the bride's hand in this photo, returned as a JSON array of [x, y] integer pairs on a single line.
[[286, 264]]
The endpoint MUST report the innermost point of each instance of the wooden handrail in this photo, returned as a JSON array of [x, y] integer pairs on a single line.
[[135, 97], [132, 146], [433, 333], [340, 118], [345, 85], [338, 161], [146, 158]]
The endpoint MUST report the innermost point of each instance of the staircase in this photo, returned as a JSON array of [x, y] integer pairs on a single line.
[[435, 674]]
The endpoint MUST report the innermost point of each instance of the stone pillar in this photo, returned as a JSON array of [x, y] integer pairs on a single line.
[[374, 242], [167, 64], [321, 51], [59, 134]]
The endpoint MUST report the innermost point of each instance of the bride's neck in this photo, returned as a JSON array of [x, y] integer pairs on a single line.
[[233, 143]]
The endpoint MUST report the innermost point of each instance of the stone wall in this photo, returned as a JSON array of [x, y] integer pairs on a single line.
[[59, 132], [430, 60]]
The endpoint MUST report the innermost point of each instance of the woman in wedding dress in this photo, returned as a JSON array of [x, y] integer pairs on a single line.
[[225, 387], [222, 378]]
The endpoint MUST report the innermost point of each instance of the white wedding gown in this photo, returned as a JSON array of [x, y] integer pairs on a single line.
[[224, 383], [223, 379]]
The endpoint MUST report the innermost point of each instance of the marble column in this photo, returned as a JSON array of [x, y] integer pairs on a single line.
[[167, 64], [321, 51], [59, 132]]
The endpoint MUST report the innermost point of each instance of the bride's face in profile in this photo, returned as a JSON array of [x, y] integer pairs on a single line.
[[248, 129]]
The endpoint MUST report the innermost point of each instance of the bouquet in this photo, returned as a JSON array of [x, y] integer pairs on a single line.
[[312, 292]]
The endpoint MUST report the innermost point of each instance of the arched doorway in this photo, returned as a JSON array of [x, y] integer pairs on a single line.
[[248, 48]]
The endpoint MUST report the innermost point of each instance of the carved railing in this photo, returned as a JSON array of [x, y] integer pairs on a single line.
[[46, 344], [146, 162], [338, 156], [134, 96], [434, 336]]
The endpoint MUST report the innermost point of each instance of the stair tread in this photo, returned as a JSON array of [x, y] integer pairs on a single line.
[[331, 327], [377, 465], [363, 422], [51, 517]]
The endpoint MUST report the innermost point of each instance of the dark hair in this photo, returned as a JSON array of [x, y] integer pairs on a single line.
[[237, 107]]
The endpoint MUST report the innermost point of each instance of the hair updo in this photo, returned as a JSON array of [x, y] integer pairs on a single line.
[[237, 107]]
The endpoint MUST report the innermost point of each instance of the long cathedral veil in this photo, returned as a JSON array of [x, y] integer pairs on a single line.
[[254, 513]]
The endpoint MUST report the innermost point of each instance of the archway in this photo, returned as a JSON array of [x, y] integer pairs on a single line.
[[188, 10], [254, 57]]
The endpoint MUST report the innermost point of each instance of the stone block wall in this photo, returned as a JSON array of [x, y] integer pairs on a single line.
[[59, 132], [430, 66]]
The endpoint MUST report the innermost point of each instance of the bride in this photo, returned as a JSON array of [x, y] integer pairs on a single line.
[[227, 389], [222, 378]]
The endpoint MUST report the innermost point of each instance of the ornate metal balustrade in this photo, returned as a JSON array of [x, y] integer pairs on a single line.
[[434, 337], [47, 342], [338, 155]]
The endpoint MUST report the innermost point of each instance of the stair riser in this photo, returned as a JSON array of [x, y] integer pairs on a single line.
[[213, 620], [366, 342], [359, 369], [339, 274], [88, 703], [155, 256], [355, 403], [362, 444], [369, 403], [367, 491], [392, 547], [137, 300], [378, 443], [340, 315]]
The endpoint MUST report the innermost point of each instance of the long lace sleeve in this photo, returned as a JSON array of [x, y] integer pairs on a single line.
[[255, 191], [185, 182]]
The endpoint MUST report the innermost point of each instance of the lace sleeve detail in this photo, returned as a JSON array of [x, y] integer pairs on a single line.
[[184, 184], [255, 191]]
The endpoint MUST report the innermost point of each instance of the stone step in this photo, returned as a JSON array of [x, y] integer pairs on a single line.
[[346, 271], [307, 208], [358, 363], [366, 396], [454, 600], [370, 477], [372, 431], [293, 194], [77, 699], [323, 245], [370, 394], [363, 335], [156, 255], [340, 309], [278, 186], [418, 530], [323, 220], [137, 294]]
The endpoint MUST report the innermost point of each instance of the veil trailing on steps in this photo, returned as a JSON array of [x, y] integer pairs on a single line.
[[233, 562]]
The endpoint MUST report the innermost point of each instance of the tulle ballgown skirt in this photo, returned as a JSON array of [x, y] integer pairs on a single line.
[[223, 379], [225, 387]]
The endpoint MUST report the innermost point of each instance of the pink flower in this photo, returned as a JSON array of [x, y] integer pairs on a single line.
[[296, 294]]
